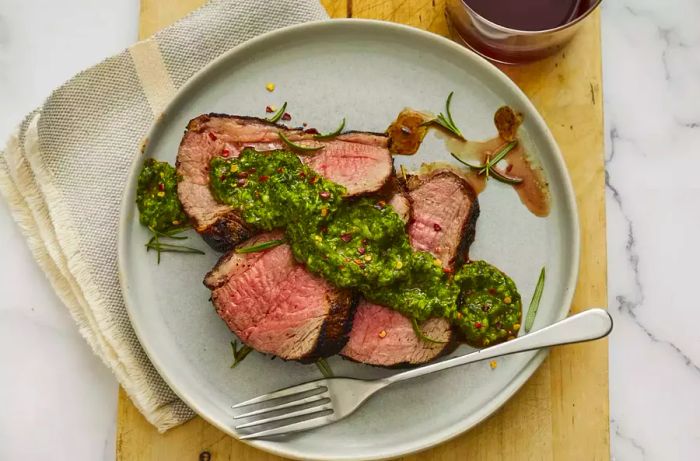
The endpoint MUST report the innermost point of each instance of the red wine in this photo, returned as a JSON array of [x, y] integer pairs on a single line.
[[530, 14]]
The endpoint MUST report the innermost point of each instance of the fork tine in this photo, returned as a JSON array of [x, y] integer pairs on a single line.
[[294, 427], [312, 399], [283, 393], [293, 414]]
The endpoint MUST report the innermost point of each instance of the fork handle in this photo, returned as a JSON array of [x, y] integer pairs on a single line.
[[586, 326]]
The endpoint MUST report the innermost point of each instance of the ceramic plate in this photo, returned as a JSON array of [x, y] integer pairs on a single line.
[[365, 71]]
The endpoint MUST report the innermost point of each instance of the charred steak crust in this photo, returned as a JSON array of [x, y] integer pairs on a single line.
[[336, 326], [226, 232]]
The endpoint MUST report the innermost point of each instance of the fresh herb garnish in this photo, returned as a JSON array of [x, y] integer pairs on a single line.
[[333, 134], [403, 173], [239, 353], [278, 115], [297, 146], [535, 302], [324, 368], [421, 335], [489, 170], [446, 121], [260, 246], [155, 243]]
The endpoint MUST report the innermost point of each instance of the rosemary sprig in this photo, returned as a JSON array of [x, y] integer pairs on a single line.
[[297, 146], [260, 246], [155, 244], [535, 302], [333, 134], [445, 120], [324, 368], [488, 170], [278, 115], [239, 353], [421, 335]]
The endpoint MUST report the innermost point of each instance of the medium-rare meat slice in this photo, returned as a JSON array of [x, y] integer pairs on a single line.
[[274, 305], [359, 161], [444, 212]]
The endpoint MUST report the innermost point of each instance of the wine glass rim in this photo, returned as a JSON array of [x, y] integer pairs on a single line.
[[502, 28]]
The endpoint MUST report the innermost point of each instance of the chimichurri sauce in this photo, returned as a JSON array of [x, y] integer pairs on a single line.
[[156, 197], [362, 243]]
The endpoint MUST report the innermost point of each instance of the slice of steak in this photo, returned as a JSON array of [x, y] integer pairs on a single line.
[[444, 212], [359, 161], [276, 307]]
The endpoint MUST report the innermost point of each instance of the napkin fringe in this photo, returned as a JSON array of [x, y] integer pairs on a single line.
[[52, 240]]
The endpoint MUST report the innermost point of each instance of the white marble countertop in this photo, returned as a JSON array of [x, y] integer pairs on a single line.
[[59, 401]]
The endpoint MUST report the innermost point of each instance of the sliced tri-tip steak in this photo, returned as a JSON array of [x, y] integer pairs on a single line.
[[359, 161], [274, 305], [443, 217]]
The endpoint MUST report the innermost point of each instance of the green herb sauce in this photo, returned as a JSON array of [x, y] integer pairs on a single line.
[[489, 307], [362, 244], [156, 197]]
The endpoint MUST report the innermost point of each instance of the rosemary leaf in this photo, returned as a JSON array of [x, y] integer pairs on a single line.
[[239, 353], [324, 368], [155, 243], [333, 134], [278, 115], [502, 153], [503, 178], [421, 335], [298, 147], [260, 246], [473, 167], [535, 302]]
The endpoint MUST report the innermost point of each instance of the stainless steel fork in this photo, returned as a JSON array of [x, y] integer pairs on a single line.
[[325, 401]]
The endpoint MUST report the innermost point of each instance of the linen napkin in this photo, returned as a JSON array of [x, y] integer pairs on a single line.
[[64, 170]]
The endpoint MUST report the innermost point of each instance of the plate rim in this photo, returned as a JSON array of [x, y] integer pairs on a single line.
[[568, 193]]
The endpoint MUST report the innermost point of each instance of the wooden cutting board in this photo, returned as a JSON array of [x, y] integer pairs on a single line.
[[561, 413]]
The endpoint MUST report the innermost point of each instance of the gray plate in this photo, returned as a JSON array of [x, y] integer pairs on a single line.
[[366, 71]]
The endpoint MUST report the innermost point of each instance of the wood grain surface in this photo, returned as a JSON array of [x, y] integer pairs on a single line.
[[561, 413]]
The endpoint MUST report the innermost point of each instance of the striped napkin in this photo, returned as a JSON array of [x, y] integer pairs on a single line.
[[64, 169]]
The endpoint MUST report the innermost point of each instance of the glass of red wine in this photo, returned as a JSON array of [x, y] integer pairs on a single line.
[[516, 31]]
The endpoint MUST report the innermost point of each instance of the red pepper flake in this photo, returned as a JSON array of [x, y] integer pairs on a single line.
[[364, 241], [359, 263], [311, 131], [380, 205], [280, 170], [263, 178], [212, 136], [313, 179], [269, 109], [222, 178], [498, 325], [286, 117], [447, 270], [243, 174], [361, 250], [241, 182], [477, 324], [323, 229], [346, 237], [225, 153], [161, 186], [324, 194], [302, 174], [253, 170], [341, 267], [492, 291], [437, 227], [508, 168]]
